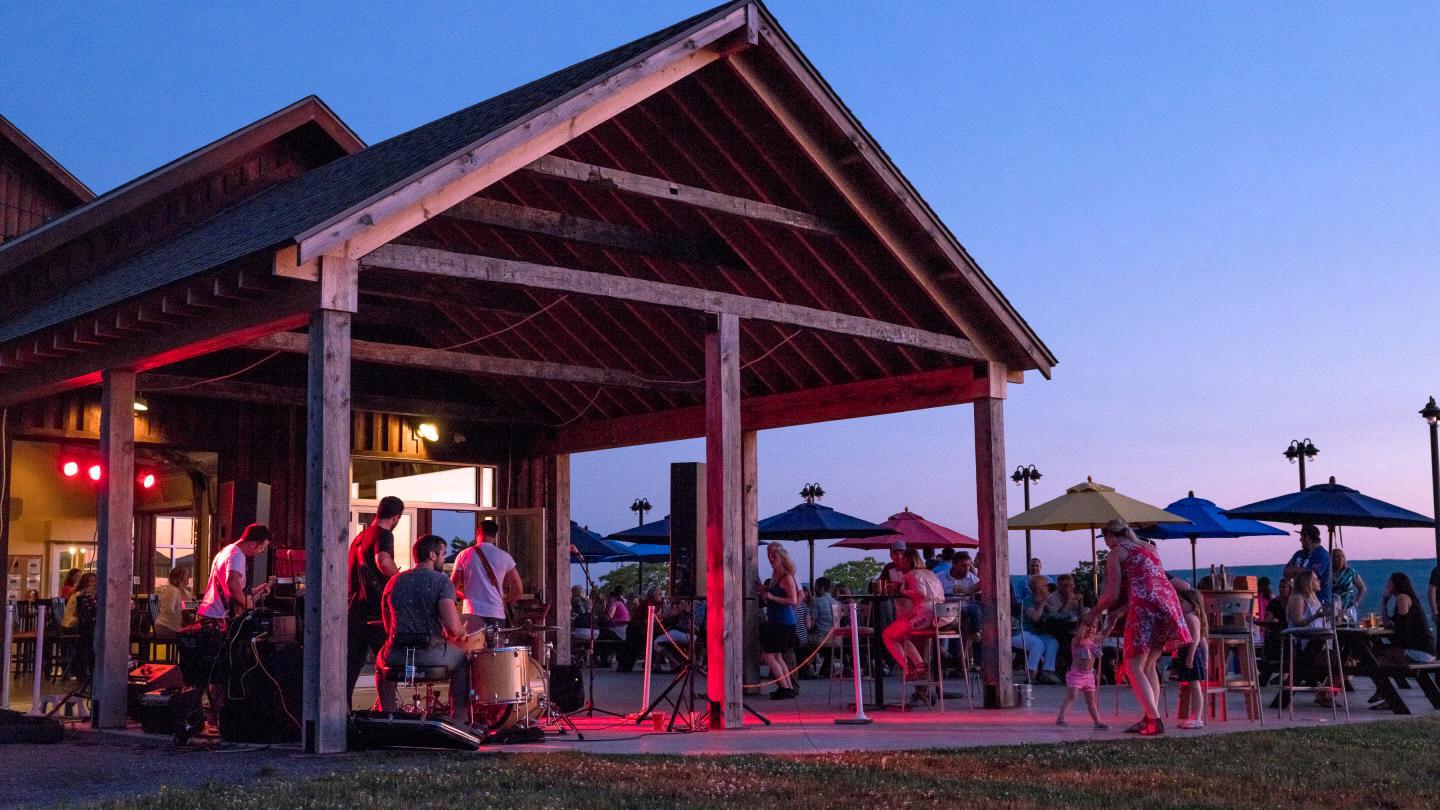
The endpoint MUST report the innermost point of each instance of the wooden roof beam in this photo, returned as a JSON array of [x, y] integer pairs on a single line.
[[583, 282], [700, 248], [907, 392], [660, 189], [465, 362], [171, 385]]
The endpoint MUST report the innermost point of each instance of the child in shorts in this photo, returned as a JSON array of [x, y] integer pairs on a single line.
[[1190, 660], [1084, 663]]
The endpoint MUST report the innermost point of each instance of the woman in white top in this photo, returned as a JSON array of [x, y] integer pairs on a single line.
[[1305, 610], [170, 603]]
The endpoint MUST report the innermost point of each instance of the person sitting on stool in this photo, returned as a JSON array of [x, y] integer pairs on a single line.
[[418, 609]]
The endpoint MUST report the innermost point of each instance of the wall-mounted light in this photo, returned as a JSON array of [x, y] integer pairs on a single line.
[[94, 472], [147, 481], [428, 432], [141, 404], [70, 469]]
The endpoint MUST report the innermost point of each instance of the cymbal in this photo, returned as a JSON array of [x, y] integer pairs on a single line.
[[529, 628]]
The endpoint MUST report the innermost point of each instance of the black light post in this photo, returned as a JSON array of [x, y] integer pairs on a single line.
[[1023, 475], [1301, 450], [640, 506], [1431, 414]]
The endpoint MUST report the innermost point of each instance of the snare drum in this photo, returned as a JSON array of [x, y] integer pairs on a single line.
[[474, 633]]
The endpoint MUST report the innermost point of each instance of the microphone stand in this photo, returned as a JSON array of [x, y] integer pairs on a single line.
[[589, 708]]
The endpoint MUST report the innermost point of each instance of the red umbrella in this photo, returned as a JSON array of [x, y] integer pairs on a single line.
[[916, 531]]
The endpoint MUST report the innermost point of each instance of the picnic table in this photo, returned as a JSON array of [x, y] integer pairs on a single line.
[[1365, 645]]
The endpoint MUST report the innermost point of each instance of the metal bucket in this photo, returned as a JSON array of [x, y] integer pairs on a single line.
[[1024, 694]]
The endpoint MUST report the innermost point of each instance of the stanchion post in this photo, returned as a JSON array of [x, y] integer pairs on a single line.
[[35, 702], [5, 656], [649, 648], [860, 718]]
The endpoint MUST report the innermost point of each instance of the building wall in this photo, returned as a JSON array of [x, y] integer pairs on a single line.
[[28, 197]]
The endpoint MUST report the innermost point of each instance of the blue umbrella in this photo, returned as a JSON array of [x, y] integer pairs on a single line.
[[594, 548], [1206, 520], [656, 531], [648, 552], [1332, 505], [810, 521]]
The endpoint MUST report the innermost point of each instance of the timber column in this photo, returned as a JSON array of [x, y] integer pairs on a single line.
[[994, 543], [750, 532], [327, 506], [557, 564], [724, 617], [116, 561]]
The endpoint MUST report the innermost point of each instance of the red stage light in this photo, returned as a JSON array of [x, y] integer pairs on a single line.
[[70, 469], [94, 472], [147, 480]]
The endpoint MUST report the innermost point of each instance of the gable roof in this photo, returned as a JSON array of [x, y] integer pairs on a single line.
[[129, 196], [289, 212], [62, 176], [276, 216]]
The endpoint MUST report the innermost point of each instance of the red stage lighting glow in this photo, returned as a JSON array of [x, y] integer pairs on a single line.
[[94, 472], [70, 469], [147, 480]]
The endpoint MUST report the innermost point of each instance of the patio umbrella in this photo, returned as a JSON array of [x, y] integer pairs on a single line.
[[1090, 506], [1332, 505], [1206, 520], [594, 548], [810, 521], [648, 552], [656, 531], [916, 531]]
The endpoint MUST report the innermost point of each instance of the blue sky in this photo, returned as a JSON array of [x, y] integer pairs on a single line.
[[1222, 217]]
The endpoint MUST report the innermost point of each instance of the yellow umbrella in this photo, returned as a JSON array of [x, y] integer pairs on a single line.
[[1090, 506]]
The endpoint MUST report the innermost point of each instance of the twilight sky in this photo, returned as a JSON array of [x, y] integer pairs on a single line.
[[1223, 218]]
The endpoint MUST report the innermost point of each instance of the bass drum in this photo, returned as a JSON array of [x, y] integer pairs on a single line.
[[507, 688]]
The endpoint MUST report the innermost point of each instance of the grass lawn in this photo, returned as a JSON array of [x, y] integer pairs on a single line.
[[1386, 764]]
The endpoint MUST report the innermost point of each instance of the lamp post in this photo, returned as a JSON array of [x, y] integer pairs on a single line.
[[1301, 450], [1023, 475], [1431, 414], [640, 506]]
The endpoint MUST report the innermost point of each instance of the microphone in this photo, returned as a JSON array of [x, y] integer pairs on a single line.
[[576, 551]]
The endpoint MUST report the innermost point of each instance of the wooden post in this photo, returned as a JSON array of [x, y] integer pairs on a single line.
[[724, 618], [557, 516], [994, 554], [750, 531], [327, 508], [115, 564]]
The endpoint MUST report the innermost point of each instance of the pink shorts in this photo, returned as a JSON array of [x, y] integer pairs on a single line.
[[1084, 681]]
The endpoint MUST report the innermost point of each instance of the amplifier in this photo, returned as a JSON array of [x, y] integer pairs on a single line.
[[567, 688], [165, 711], [687, 530], [149, 678]]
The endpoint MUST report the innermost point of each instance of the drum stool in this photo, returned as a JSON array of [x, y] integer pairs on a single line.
[[414, 677]]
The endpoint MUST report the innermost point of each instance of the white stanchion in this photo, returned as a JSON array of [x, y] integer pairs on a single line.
[[649, 648], [5, 655], [859, 718], [35, 701]]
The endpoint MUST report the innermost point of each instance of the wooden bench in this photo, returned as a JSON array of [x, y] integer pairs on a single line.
[[1423, 674]]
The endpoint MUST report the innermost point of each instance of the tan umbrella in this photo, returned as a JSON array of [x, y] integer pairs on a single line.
[[1090, 506]]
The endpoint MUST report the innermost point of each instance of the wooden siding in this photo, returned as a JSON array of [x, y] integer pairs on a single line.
[[28, 197]]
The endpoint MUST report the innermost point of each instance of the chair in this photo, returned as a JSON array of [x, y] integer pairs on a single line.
[[1334, 682], [1232, 631], [950, 626], [946, 614]]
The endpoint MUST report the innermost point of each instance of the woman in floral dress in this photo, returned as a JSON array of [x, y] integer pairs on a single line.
[[1153, 619]]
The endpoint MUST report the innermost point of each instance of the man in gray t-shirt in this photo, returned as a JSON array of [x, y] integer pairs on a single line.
[[418, 608]]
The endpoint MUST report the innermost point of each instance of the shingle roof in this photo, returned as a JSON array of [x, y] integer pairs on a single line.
[[275, 216]]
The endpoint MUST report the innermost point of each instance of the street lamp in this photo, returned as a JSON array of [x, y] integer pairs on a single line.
[[1301, 450], [1431, 414], [1024, 475], [640, 506]]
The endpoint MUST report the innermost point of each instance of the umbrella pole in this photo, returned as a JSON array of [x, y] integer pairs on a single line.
[[811, 569], [1194, 569], [1094, 564]]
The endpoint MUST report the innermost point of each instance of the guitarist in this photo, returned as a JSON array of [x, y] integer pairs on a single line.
[[485, 576]]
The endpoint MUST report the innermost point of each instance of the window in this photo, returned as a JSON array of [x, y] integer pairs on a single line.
[[174, 547]]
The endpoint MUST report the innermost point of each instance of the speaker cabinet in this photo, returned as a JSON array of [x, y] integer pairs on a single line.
[[687, 530], [243, 503]]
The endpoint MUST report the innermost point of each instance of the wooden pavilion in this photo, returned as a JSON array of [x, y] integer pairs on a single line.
[[689, 235]]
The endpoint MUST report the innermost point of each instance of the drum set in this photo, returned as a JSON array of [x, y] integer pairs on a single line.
[[509, 688]]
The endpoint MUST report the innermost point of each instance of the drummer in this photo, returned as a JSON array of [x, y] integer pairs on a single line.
[[486, 577], [418, 609]]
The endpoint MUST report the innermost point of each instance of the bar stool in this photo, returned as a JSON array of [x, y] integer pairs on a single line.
[[414, 677], [840, 641], [1231, 617], [946, 613], [949, 626], [1334, 666]]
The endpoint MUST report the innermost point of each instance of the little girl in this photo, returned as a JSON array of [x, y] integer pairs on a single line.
[[1084, 661], [1190, 660]]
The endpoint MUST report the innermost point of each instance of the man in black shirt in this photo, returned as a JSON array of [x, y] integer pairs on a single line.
[[372, 564]]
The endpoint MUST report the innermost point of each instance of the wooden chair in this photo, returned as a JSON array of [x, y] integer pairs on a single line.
[[1231, 618]]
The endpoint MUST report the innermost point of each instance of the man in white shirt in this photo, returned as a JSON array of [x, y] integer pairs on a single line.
[[225, 593], [486, 577]]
